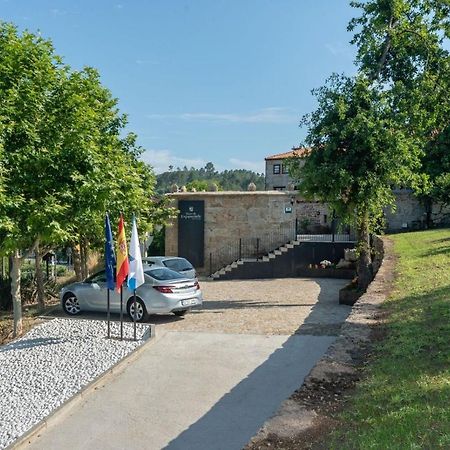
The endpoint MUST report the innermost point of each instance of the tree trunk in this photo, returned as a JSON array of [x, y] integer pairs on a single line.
[[76, 257], [15, 293], [39, 278], [364, 268], [386, 48], [83, 258]]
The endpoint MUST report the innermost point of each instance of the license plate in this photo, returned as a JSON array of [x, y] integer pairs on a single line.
[[190, 301]]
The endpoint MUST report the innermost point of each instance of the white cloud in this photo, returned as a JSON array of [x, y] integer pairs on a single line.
[[161, 159], [265, 115], [256, 166]]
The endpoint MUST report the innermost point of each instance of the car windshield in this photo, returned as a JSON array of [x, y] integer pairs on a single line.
[[98, 277], [163, 274], [147, 262], [178, 264]]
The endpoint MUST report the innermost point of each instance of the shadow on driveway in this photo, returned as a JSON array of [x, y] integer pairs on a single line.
[[240, 413]]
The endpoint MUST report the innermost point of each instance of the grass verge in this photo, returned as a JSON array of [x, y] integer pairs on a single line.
[[404, 400]]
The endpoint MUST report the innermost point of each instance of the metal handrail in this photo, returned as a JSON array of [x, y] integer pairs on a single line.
[[254, 247]]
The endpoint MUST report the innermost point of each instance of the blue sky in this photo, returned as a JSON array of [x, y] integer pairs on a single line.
[[225, 81]]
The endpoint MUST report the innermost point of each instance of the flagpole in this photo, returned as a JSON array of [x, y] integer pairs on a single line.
[[108, 313], [135, 314], [110, 263], [122, 267], [121, 313]]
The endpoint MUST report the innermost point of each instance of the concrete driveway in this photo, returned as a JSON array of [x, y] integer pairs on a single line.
[[210, 380]]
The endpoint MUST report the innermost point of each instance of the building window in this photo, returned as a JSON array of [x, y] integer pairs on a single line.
[[276, 169], [285, 169]]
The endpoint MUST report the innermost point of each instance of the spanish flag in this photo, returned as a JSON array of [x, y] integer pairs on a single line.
[[122, 256]]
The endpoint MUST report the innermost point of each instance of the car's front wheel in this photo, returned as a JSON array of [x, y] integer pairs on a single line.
[[141, 311], [71, 305], [181, 313]]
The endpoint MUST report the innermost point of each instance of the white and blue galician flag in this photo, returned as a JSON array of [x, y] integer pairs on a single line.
[[136, 271]]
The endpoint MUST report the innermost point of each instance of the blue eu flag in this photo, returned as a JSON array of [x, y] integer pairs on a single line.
[[110, 259]]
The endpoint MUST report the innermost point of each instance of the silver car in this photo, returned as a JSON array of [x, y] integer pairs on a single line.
[[164, 291], [176, 263]]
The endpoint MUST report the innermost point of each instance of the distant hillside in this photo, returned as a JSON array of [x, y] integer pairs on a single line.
[[228, 180]]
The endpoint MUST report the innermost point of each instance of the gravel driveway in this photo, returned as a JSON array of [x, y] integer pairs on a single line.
[[276, 306], [271, 307]]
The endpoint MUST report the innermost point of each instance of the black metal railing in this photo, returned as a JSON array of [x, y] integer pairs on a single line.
[[254, 247]]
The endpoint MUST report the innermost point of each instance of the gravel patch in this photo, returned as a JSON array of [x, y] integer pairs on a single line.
[[270, 307], [282, 306], [50, 364]]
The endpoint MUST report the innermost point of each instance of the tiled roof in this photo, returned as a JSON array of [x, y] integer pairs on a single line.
[[299, 151]]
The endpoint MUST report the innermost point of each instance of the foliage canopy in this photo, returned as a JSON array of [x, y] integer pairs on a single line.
[[228, 180]]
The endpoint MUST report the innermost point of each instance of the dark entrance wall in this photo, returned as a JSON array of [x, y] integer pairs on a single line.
[[191, 231], [295, 263]]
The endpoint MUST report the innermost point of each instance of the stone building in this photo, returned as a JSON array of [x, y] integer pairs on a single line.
[[277, 174], [214, 228], [409, 212]]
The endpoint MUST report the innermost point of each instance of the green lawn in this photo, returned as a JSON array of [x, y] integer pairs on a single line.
[[404, 400]]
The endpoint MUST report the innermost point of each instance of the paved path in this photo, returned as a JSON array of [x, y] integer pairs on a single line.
[[207, 389]]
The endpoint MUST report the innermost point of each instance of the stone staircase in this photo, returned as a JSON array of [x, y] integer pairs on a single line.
[[228, 269]]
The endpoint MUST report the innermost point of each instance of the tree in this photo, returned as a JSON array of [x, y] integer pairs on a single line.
[[228, 180], [63, 157], [401, 45], [103, 170], [202, 185], [369, 133], [29, 71], [357, 155], [210, 170], [399, 40]]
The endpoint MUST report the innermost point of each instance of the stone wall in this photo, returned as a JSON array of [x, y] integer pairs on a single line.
[[410, 213], [440, 214], [230, 216], [314, 217]]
